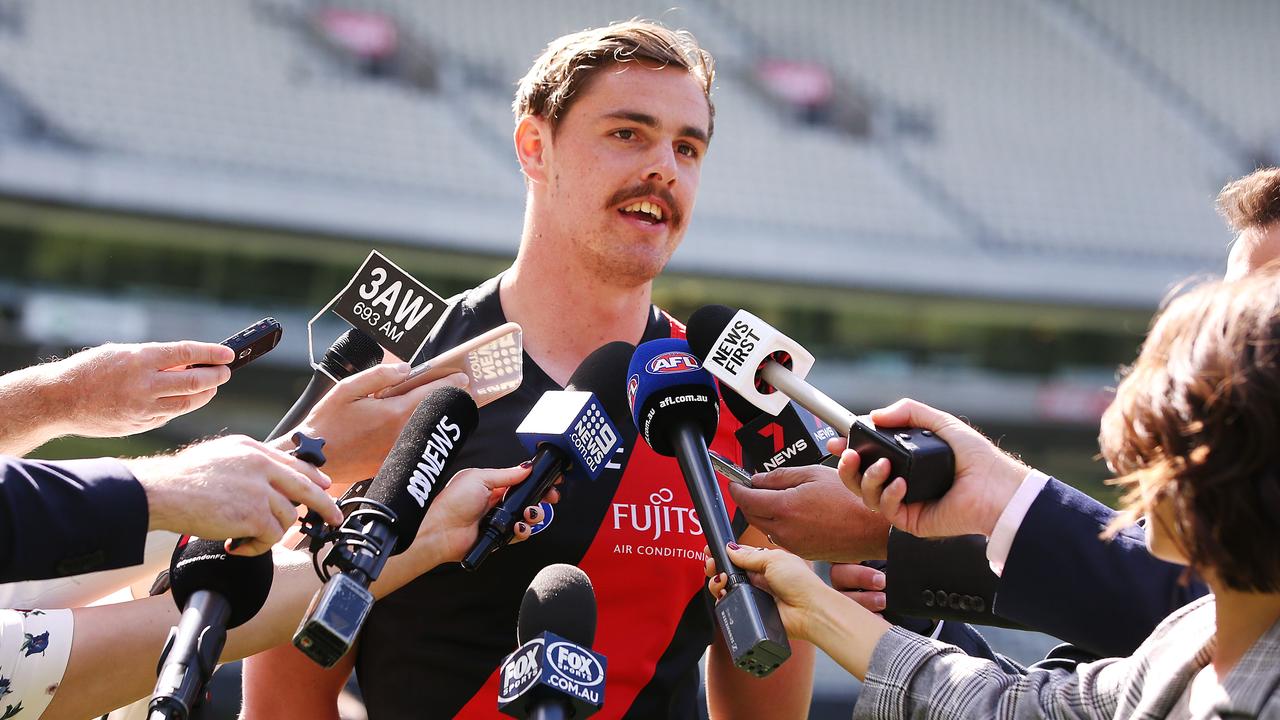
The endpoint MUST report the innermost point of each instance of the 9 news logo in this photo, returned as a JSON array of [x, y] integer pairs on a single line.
[[671, 362]]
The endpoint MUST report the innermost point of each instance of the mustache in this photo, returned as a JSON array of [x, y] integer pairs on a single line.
[[643, 190]]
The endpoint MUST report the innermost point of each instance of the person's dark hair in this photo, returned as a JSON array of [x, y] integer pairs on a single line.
[[1253, 201], [1197, 420], [569, 62]]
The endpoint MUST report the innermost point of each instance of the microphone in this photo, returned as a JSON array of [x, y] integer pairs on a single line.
[[215, 591], [768, 368], [349, 354], [554, 674], [385, 521], [570, 433], [676, 408], [794, 437]]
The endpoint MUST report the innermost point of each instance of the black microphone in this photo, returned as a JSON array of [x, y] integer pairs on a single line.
[[215, 591], [571, 433], [385, 521], [351, 353], [554, 674], [794, 437], [676, 409], [768, 369]]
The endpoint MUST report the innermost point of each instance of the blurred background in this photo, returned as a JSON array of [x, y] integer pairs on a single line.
[[978, 204]]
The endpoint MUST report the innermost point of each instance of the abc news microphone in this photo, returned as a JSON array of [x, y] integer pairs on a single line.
[[215, 591], [676, 408], [385, 521], [351, 353], [571, 434], [554, 674], [768, 369]]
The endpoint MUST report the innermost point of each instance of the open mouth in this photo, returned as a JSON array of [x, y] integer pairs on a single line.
[[645, 212]]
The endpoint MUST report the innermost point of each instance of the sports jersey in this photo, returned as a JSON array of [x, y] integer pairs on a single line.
[[432, 648]]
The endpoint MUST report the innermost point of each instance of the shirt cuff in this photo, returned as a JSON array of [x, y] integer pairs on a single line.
[[1006, 529]]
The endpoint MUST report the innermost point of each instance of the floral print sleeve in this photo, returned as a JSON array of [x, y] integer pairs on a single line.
[[34, 648]]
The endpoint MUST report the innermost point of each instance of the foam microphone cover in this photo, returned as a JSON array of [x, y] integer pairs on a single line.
[[560, 600], [419, 465], [667, 387], [200, 564], [351, 353], [604, 373], [705, 325]]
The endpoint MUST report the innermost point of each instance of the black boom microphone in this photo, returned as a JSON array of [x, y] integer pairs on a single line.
[[570, 433], [215, 591], [554, 674], [351, 353], [677, 410], [385, 521]]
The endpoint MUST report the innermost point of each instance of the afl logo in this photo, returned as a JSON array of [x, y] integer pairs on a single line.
[[672, 362], [633, 385]]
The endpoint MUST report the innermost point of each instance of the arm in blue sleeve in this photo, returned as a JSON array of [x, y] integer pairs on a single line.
[[68, 517]]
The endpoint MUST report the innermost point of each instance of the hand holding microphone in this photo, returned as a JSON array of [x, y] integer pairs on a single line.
[[986, 477], [676, 409], [768, 368], [570, 434]]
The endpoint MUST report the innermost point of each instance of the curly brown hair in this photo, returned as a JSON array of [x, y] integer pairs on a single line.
[[1251, 201], [570, 61], [1197, 420]]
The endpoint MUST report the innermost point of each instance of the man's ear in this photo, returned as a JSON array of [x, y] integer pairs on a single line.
[[532, 139]]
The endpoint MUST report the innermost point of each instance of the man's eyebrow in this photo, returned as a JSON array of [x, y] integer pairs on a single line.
[[650, 121]]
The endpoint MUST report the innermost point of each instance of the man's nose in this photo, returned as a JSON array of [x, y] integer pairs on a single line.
[[662, 166]]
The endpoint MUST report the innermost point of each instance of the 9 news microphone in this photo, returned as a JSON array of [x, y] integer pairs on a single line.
[[570, 433], [554, 674], [386, 522], [215, 592], [676, 409], [768, 368], [349, 354]]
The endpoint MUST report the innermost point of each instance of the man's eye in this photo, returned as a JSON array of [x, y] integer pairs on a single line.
[[687, 150], [624, 134]]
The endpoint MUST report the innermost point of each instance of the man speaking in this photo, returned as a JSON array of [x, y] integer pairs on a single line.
[[612, 125]]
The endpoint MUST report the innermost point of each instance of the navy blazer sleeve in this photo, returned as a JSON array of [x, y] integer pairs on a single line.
[[1105, 597], [68, 518]]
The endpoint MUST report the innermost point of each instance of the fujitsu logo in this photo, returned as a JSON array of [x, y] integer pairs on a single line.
[[657, 517]]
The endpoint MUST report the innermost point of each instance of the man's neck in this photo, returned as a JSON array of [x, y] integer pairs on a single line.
[[567, 312]]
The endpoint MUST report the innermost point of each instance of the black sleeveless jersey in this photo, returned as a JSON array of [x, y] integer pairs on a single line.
[[432, 648]]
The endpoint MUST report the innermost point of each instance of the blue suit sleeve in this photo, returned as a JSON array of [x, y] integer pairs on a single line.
[[1059, 573], [68, 518]]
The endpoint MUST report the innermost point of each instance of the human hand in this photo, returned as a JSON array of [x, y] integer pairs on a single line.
[[232, 487], [808, 511], [359, 429], [986, 477], [452, 522], [861, 584], [117, 390], [800, 594]]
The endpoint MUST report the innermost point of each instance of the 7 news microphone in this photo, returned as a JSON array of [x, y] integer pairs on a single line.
[[676, 408], [351, 353], [768, 369], [554, 674], [385, 522], [215, 591], [570, 433]]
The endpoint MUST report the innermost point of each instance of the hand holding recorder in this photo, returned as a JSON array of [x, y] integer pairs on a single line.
[[768, 369], [986, 477]]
